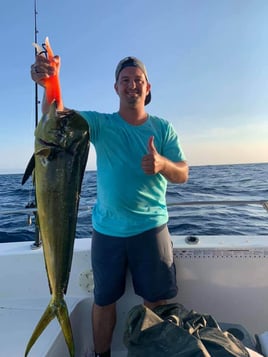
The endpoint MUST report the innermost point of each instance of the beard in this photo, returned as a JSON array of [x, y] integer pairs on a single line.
[[133, 99]]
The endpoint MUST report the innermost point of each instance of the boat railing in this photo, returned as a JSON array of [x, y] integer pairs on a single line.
[[31, 210], [263, 203]]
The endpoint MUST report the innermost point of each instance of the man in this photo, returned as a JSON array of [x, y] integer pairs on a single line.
[[136, 155]]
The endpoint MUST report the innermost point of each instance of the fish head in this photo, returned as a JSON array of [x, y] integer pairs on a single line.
[[60, 131]]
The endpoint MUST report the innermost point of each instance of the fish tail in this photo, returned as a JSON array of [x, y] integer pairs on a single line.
[[56, 308], [47, 316], [64, 321]]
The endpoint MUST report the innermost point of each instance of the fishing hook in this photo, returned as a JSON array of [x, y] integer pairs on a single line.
[[44, 52]]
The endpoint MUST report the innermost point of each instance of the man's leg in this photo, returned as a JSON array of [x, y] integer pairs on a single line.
[[150, 257], [103, 322]]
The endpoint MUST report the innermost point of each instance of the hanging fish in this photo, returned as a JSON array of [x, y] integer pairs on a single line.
[[60, 157]]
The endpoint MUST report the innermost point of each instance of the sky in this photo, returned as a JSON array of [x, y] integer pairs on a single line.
[[207, 62]]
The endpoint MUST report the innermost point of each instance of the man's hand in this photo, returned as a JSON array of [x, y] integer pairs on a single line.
[[152, 163], [44, 68]]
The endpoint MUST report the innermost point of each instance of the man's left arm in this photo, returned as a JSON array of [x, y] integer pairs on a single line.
[[175, 172]]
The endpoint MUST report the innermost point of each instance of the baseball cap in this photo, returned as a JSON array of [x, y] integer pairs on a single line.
[[131, 61]]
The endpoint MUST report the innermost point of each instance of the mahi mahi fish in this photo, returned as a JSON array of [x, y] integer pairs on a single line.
[[60, 157], [61, 151]]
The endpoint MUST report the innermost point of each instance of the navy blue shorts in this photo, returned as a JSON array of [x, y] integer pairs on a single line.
[[148, 256]]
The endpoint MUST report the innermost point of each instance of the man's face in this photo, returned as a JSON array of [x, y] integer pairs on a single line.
[[132, 86]]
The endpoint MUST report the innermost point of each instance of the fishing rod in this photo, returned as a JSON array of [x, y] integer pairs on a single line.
[[36, 41], [38, 241]]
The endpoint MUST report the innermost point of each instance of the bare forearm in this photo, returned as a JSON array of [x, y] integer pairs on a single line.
[[175, 172]]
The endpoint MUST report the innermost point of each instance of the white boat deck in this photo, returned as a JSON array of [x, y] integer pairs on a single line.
[[223, 276], [26, 296], [18, 317]]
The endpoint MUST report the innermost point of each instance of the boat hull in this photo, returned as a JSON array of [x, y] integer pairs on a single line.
[[224, 276]]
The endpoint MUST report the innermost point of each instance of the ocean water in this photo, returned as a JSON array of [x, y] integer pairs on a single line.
[[247, 182]]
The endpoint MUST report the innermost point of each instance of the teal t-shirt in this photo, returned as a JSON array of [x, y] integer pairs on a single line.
[[128, 200]]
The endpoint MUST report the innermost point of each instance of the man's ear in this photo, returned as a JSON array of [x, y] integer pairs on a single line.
[[116, 87], [148, 87]]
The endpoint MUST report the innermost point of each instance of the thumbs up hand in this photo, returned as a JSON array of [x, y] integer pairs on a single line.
[[152, 162]]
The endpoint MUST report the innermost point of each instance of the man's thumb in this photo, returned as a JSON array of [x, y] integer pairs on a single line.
[[151, 146]]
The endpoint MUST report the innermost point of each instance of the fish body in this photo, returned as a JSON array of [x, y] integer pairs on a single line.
[[61, 151]]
